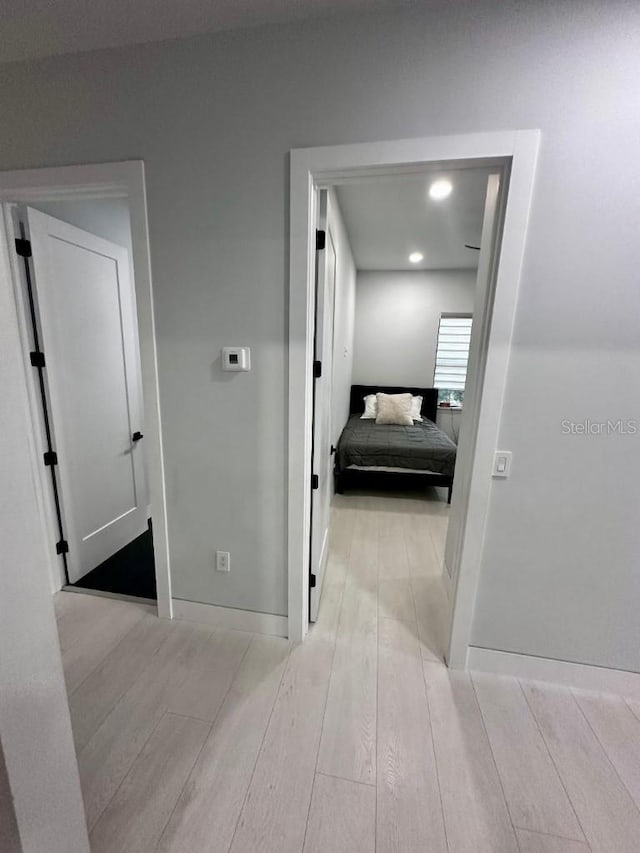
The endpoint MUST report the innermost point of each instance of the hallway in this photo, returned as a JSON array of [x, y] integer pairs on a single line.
[[192, 739]]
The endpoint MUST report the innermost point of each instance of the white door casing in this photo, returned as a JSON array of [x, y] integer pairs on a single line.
[[517, 150], [475, 374], [86, 308], [322, 463]]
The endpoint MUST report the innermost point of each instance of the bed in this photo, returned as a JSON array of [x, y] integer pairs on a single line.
[[367, 449]]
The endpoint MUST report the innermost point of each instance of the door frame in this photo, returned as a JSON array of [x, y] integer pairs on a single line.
[[321, 264], [515, 152], [106, 180]]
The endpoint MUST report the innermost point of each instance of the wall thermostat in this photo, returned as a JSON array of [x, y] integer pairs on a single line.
[[236, 358]]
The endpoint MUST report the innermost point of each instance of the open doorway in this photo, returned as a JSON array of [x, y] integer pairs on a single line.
[[508, 160], [79, 285], [78, 251], [397, 281]]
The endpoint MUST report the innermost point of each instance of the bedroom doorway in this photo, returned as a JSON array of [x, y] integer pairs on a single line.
[[80, 290], [77, 252], [397, 273], [370, 526]]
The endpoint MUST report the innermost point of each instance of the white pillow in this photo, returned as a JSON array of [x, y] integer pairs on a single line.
[[370, 407], [416, 407], [394, 409]]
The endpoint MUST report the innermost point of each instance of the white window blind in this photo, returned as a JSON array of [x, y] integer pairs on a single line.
[[452, 353]]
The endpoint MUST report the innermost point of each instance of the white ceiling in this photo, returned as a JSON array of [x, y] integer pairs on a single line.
[[36, 28], [388, 218]]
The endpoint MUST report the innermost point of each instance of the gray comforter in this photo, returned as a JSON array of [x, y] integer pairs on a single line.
[[422, 446]]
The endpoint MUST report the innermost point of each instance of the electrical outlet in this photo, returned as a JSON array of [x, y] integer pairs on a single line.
[[223, 561]]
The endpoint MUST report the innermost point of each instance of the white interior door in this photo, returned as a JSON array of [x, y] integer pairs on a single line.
[[86, 307], [322, 460], [475, 373]]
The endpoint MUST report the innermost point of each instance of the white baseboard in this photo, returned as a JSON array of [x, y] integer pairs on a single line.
[[578, 675], [230, 617]]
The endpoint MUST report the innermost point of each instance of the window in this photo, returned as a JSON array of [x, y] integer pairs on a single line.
[[452, 355]]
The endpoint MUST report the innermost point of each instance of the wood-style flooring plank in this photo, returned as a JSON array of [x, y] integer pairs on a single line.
[[618, 731], [475, 810], [342, 818], [212, 798], [607, 814], [142, 805], [364, 553], [104, 687], [107, 629], [108, 756], [532, 842], [438, 527], [274, 815], [78, 614], [395, 600], [75, 614], [432, 616], [409, 811], [210, 675], [348, 744], [340, 538], [634, 706], [392, 549], [422, 557], [536, 798]]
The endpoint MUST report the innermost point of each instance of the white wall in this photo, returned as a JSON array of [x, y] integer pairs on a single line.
[[213, 119], [396, 322], [35, 729], [449, 421], [344, 314]]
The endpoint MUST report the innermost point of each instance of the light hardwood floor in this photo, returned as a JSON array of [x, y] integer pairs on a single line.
[[195, 740]]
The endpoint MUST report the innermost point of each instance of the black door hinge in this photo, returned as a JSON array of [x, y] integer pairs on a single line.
[[312, 580], [37, 359], [317, 369], [315, 481], [23, 247], [333, 450], [50, 458], [62, 547], [321, 239]]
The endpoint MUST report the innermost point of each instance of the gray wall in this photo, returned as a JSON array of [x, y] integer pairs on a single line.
[[214, 117], [396, 323], [104, 217], [343, 326]]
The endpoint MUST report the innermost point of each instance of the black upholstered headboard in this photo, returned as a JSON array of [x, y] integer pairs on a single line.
[[429, 397]]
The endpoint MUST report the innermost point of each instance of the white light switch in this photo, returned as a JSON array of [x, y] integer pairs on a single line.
[[502, 463]]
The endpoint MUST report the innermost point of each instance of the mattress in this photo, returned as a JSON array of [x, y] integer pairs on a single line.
[[421, 447]]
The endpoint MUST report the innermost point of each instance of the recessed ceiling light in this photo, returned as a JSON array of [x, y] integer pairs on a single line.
[[440, 189], [416, 257]]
